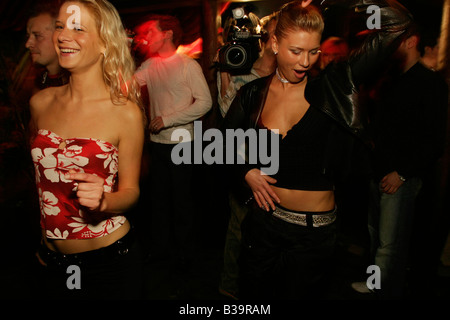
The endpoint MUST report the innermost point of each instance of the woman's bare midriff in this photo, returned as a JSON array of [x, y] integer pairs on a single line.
[[308, 201], [70, 246]]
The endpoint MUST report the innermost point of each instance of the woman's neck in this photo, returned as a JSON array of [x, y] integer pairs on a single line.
[[87, 85]]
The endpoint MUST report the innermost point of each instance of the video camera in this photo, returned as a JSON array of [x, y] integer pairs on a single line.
[[242, 45]]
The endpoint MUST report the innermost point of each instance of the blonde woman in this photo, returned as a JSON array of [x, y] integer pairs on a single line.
[[289, 234], [86, 152]]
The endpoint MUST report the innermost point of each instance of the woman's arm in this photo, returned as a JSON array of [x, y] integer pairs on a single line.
[[90, 187], [336, 89], [378, 43]]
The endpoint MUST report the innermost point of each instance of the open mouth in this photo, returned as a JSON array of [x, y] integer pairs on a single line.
[[66, 51], [300, 73]]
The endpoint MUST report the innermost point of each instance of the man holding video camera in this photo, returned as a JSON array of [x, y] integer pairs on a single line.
[[246, 56], [235, 71]]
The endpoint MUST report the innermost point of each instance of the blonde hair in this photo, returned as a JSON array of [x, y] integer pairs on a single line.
[[293, 17], [118, 64]]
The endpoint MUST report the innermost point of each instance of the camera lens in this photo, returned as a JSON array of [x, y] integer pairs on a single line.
[[236, 56]]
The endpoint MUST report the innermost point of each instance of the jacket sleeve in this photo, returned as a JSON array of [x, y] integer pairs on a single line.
[[335, 90], [380, 41], [238, 117]]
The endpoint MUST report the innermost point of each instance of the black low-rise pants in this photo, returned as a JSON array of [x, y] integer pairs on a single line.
[[281, 260], [109, 273]]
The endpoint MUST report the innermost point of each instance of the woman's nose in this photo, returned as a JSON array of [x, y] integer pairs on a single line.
[[304, 59], [63, 34]]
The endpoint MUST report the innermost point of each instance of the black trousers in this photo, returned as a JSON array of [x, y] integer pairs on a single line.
[[113, 272], [172, 205], [281, 260]]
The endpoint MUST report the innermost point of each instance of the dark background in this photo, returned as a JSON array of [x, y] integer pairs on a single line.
[[18, 212]]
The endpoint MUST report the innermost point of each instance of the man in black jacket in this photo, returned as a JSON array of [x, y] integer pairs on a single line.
[[408, 125]]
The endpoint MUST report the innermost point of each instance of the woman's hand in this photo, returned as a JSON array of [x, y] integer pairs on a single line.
[[262, 191], [89, 190]]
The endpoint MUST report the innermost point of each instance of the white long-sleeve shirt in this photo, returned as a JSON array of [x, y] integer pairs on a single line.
[[236, 82], [177, 91]]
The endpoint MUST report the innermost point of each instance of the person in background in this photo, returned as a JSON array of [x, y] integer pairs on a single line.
[[229, 84], [40, 28], [408, 124], [178, 95], [429, 237], [429, 50], [86, 150], [333, 49], [263, 66]]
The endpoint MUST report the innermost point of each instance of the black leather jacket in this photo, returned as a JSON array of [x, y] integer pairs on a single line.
[[335, 90]]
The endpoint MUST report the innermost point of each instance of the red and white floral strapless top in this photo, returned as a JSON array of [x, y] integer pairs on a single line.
[[53, 157]]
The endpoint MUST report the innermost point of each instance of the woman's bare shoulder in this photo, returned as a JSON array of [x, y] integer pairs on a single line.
[[131, 112], [43, 98]]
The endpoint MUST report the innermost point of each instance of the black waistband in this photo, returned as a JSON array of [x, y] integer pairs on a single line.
[[119, 248]]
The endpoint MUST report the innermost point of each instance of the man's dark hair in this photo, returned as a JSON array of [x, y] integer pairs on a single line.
[[166, 23], [50, 7], [427, 39]]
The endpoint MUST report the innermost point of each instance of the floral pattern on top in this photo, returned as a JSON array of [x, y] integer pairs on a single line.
[[61, 213]]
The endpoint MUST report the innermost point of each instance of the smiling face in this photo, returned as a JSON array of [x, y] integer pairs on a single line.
[[297, 52], [78, 46]]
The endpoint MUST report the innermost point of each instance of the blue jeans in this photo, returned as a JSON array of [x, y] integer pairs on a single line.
[[390, 224]]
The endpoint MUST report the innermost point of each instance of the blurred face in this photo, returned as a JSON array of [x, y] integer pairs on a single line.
[[297, 52], [149, 38], [433, 53], [332, 52], [39, 40], [77, 46]]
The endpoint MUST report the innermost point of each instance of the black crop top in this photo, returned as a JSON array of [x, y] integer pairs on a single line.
[[302, 153]]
